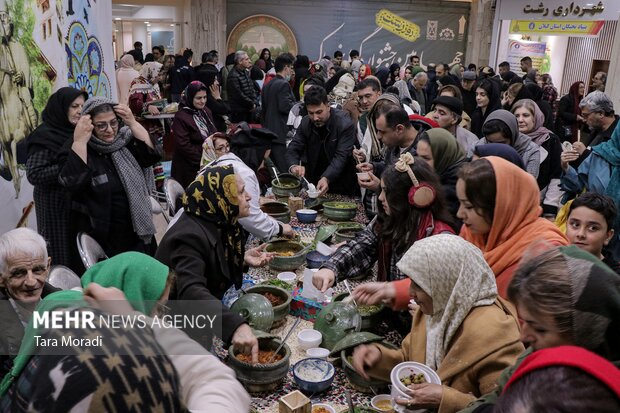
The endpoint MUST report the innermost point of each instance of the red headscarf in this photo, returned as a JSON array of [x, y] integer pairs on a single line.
[[367, 72]]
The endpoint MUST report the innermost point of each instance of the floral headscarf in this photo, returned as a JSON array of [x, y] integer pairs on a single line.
[[213, 197], [202, 117]]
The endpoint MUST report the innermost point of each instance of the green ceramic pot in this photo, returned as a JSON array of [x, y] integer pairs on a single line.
[[371, 315], [335, 321], [288, 185], [279, 311], [347, 232], [284, 263], [339, 211], [278, 210], [256, 309]]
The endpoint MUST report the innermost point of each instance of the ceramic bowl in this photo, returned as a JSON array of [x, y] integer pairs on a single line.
[[382, 403], [260, 378], [318, 352], [288, 185], [313, 194], [347, 232], [313, 375], [287, 277], [316, 407], [256, 310], [285, 263], [281, 310], [340, 211], [309, 338], [277, 210], [315, 259], [306, 216]]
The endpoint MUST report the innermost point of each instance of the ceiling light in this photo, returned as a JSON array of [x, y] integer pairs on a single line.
[[146, 22], [117, 18]]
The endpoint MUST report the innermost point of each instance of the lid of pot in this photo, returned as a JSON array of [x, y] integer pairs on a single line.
[[354, 339], [335, 321], [256, 309]]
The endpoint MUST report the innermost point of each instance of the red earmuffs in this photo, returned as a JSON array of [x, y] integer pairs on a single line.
[[422, 195]]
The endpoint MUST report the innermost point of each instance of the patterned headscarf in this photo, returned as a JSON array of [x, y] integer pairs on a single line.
[[202, 117], [455, 275], [213, 197], [376, 145]]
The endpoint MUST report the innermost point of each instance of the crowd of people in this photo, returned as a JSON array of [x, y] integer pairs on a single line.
[[494, 227]]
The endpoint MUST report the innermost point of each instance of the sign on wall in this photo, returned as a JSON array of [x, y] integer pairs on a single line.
[[517, 50], [557, 9], [557, 27], [382, 35], [46, 44]]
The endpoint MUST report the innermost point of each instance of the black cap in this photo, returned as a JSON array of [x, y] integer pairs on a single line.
[[469, 75], [452, 103]]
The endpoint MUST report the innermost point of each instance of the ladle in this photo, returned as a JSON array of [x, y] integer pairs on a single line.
[[284, 340]]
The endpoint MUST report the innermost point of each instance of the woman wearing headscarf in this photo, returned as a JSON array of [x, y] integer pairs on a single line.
[[440, 150], [569, 120], [265, 62], [599, 172], [462, 328], [530, 120], [365, 71], [383, 74], [124, 76], [487, 101], [302, 72], [500, 210], [146, 284], [192, 125], [405, 96], [205, 248], [502, 127], [500, 150], [107, 168], [545, 107], [62, 112], [343, 91], [394, 74], [564, 296]]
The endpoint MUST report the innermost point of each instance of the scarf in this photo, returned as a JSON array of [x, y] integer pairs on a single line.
[[137, 182], [501, 150], [569, 356], [539, 134], [59, 299], [403, 91], [56, 128], [142, 278], [202, 117], [445, 149], [213, 198], [466, 282], [516, 222], [127, 62], [610, 151], [375, 145], [146, 83]]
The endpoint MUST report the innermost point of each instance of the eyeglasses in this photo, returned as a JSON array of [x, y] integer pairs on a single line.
[[586, 114], [103, 126]]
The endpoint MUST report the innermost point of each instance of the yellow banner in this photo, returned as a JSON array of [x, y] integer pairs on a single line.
[[557, 27], [397, 25]]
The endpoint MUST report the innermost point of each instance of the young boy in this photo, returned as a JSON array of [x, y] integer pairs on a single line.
[[590, 218]]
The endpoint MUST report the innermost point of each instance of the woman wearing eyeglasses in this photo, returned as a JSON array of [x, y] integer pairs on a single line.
[[107, 170], [192, 125]]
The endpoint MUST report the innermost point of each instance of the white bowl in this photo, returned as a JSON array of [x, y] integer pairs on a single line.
[[313, 194], [318, 352], [363, 176], [379, 398], [287, 276], [309, 338], [324, 248], [325, 406]]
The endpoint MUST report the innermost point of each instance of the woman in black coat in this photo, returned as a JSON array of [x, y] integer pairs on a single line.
[[569, 120], [205, 248], [487, 101], [61, 114], [107, 168]]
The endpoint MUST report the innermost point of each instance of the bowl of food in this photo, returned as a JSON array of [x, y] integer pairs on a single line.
[[306, 216], [309, 338], [279, 298], [315, 259], [263, 376], [339, 211], [411, 372], [347, 231], [286, 185], [371, 314], [277, 210], [313, 375], [382, 403], [318, 352], [313, 194], [322, 408], [285, 258]]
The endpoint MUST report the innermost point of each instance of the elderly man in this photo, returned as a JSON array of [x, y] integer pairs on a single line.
[[598, 81], [325, 139], [448, 114], [24, 267], [598, 111], [468, 92], [417, 89], [240, 88]]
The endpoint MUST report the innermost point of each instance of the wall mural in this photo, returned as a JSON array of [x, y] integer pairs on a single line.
[[45, 45], [254, 33]]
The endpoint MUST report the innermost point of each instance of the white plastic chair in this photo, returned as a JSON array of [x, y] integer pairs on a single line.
[[63, 278], [90, 250], [174, 191]]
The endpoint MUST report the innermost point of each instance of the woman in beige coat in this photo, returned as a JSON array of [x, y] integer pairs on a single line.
[[461, 329]]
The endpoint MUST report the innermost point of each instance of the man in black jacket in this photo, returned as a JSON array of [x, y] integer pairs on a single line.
[[325, 139], [240, 88], [277, 100], [207, 71]]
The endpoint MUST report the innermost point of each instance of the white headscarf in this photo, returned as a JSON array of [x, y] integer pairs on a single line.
[[455, 275]]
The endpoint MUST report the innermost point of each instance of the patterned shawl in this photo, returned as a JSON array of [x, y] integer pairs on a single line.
[[213, 197], [455, 275]]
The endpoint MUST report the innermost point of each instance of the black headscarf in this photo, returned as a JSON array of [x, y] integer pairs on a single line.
[[56, 128], [502, 150], [202, 117], [213, 197]]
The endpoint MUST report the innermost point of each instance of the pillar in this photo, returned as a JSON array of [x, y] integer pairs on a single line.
[[480, 32], [206, 26]]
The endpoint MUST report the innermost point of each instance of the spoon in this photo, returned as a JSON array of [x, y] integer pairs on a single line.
[[311, 187], [275, 171], [284, 340], [346, 284]]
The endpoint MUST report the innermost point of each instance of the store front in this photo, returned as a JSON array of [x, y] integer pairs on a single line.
[[571, 41]]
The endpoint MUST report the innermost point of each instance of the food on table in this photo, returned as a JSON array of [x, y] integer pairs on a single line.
[[413, 378], [383, 404], [277, 283], [366, 310], [285, 253], [341, 205], [263, 357], [288, 184], [319, 409], [273, 299]]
